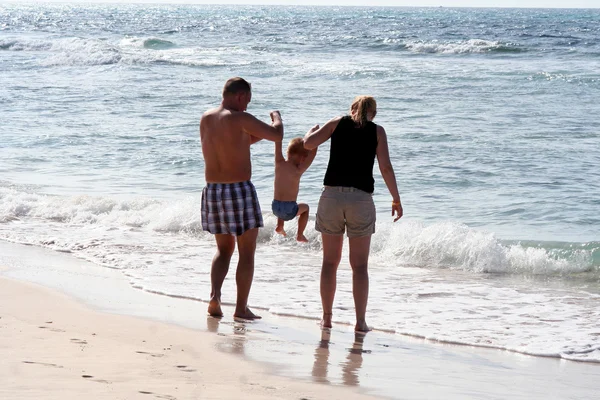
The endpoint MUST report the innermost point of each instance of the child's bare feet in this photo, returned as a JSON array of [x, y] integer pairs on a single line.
[[302, 238], [279, 228]]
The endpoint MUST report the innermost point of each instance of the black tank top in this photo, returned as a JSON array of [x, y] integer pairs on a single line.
[[352, 156]]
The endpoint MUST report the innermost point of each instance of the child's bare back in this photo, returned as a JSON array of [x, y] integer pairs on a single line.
[[287, 185]]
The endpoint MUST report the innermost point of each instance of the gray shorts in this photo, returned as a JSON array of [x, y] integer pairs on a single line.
[[344, 209]]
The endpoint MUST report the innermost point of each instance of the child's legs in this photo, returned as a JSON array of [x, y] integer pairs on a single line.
[[303, 217], [279, 227]]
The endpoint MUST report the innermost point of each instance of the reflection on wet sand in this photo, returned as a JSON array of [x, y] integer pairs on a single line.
[[234, 344], [350, 367], [321, 364], [212, 324], [354, 361]]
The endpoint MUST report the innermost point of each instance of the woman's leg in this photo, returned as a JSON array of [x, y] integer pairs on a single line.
[[332, 254], [359, 261]]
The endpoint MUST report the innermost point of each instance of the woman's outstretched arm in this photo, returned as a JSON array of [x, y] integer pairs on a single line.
[[312, 140]]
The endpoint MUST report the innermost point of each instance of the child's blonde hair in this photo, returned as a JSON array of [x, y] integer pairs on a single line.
[[296, 146]]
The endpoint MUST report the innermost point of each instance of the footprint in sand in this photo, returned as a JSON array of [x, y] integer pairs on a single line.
[[184, 368], [52, 329], [151, 354], [158, 396], [44, 364], [95, 380], [79, 341]]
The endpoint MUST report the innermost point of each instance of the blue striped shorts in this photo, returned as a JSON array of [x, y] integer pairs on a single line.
[[230, 208]]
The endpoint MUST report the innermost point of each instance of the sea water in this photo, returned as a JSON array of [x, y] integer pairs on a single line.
[[492, 120]]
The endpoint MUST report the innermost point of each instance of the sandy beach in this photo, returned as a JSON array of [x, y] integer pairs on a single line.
[[54, 348], [70, 329]]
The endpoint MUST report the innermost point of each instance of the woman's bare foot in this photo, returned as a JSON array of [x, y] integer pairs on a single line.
[[302, 238], [326, 321], [279, 229], [214, 308], [362, 327], [246, 314]]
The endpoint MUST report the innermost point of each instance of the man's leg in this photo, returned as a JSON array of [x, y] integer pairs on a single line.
[[218, 272], [245, 272], [359, 261], [332, 254], [302, 221]]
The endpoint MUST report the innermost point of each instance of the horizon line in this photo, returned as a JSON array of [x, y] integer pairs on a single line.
[[284, 4]]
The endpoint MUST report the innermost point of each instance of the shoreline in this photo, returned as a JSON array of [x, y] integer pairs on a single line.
[[378, 364]]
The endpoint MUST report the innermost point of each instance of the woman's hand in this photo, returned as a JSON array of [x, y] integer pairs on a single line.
[[397, 210]]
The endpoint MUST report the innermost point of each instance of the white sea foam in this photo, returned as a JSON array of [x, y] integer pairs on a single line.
[[456, 246], [129, 50], [459, 47], [441, 245], [146, 42]]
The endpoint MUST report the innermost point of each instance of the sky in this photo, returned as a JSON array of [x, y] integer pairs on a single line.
[[422, 3]]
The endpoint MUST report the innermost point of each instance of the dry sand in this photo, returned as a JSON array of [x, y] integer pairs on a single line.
[[52, 347]]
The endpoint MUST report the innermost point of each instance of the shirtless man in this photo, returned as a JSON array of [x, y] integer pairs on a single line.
[[230, 208]]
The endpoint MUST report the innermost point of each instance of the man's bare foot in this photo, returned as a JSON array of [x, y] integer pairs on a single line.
[[246, 314], [302, 238], [279, 229], [214, 308], [362, 327], [326, 321]]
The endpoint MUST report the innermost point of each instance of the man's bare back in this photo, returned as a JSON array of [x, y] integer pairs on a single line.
[[226, 136], [224, 163]]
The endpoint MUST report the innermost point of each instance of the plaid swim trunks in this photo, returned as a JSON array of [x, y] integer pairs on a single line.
[[230, 208]]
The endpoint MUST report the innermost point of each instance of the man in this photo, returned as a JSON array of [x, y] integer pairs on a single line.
[[230, 208]]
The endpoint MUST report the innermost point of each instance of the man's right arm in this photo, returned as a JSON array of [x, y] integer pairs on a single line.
[[279, 152], [258, 129]]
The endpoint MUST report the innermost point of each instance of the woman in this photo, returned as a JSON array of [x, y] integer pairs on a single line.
[[346, 203]]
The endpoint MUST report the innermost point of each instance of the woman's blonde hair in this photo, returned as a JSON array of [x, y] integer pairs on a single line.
[[360, 107]]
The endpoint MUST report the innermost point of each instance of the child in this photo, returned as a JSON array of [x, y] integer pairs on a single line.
[[287, 184]]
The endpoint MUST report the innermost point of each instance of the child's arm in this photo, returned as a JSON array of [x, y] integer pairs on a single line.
[[309, 159], [279, 152], [312, 153]]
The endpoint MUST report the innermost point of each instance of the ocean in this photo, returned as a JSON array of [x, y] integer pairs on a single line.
[[492, 119]]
